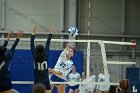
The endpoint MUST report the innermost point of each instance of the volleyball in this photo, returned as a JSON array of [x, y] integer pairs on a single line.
[[73, 31]]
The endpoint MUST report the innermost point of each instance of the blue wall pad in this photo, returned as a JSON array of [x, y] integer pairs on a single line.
[[132, 74], [135, 87]]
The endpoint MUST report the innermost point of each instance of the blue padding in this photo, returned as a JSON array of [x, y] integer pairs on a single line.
[[78, 61], [135, 87], [23, 88], [132, 74], [22, 67], [53, 57]]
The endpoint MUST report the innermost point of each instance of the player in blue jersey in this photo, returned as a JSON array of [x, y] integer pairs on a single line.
[[74, 76], [62, 68], [103, 78], [40, 56], [5, 58]]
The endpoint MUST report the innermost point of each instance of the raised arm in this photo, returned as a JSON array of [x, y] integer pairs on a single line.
[[12, 50], [52, 29], [63, 54], [34, 30], [48, 43], [9, 35]]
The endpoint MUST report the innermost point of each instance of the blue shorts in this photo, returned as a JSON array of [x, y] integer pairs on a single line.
[[45, 82], [5, 85], [74, 87], [56, 78]]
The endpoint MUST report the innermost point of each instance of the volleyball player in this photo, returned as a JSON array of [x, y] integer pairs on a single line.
[[40, 56], [82, 87], [91, 79], [5, 58], [103, 78], [62, 68], [74, 76]]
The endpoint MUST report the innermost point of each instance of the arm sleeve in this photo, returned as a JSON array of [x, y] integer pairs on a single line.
[[63, 54], [57, 66], [32, 46], [48, 44], [5, 43], [12, 50]]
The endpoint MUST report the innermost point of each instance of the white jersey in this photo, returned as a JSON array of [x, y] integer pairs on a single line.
[[64, 65], [102, 78], [82, 87], [74, 77], [90, 79]]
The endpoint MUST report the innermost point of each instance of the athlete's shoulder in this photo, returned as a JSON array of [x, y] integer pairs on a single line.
[[70, 61]]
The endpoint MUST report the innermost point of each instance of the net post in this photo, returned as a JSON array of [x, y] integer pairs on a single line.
[[103, 53], [88, 57]]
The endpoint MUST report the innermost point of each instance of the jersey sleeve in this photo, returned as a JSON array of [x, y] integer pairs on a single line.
[[5, 43], [59, 61], [12, 50], [57, 66], [47, 44], [32, 46], [63, 54]]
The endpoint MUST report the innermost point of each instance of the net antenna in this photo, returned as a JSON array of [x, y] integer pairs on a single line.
[[88, 46]]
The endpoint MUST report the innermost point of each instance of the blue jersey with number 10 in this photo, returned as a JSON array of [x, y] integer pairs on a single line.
[[41, 68]]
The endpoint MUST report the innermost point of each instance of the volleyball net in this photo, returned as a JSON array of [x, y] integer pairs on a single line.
[[90, 54]]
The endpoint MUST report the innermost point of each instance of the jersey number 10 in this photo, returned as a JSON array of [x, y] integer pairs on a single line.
[[42, 66]]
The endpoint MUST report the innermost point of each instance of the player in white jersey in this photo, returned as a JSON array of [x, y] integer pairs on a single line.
[[103, 78], [91, 79], [74, 76], [62, 68], [82, 87]]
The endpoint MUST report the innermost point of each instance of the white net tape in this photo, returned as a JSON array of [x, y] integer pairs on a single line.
[[95, 83]]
